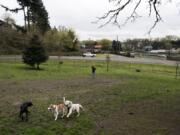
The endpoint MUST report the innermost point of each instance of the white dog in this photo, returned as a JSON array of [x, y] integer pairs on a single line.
[[74, 108], [56, 109]]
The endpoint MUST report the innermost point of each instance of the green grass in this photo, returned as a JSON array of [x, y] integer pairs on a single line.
[[53, 70], [121, 101], [102, 55]]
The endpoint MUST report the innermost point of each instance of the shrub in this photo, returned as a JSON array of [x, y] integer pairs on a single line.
[[35, 53]]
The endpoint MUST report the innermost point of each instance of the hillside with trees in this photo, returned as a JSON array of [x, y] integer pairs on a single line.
[[14, 38]]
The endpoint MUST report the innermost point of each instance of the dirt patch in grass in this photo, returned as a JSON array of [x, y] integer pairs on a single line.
[[15, 92], [140, 118]]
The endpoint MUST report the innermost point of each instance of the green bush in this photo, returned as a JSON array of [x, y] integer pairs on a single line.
[[35, 53]]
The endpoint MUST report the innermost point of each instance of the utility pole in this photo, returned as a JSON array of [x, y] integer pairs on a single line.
[[118, 44], [107, 62], [177, 67]]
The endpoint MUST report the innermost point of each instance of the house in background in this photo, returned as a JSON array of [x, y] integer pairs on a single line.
[[3, 25], [11, 25], [147, 48], [97, 48], [94, 48]]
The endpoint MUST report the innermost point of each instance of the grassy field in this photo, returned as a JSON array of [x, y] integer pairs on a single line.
[[119, 102]]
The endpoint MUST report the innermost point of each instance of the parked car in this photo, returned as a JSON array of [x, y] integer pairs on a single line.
[[89, 54]]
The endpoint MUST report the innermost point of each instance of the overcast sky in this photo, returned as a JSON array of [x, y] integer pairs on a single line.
[[79, 15]]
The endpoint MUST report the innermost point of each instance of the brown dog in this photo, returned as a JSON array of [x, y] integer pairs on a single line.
[[56, 109]]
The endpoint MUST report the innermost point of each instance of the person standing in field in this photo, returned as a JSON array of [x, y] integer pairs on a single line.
[[93, 71]]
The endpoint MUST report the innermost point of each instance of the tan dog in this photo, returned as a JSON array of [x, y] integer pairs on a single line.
[[56, 109]]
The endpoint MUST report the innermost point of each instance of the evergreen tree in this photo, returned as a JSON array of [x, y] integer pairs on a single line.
[[39, 16], [35, 53], [116, 46], [35, 14]]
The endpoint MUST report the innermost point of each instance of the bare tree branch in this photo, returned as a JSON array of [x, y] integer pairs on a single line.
[[158, 17], [112, 15], [134, 15], [150, 7], [15, 10]]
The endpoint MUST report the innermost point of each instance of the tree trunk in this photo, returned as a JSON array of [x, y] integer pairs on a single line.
[[38, 66], [177, 66], [107, 66], [28, 18], [24, 12]]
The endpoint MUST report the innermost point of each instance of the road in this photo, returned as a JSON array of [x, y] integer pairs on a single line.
[[113, 58], [122, 59]]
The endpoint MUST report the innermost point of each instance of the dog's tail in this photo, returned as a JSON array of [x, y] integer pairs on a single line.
[[64, 100], [81, 107]]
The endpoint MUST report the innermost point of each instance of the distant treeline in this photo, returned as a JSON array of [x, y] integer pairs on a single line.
[[167, 43], [64, 41], [56, 40], [130, 45]]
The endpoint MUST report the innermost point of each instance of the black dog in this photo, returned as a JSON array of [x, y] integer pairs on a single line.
[[24, 110]]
